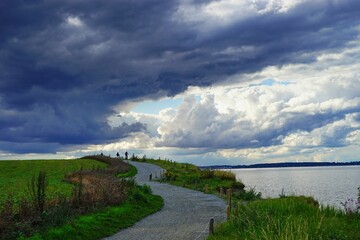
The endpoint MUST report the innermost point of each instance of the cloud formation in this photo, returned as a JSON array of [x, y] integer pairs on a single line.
[[258, 116], [299, 111], [66, 67]]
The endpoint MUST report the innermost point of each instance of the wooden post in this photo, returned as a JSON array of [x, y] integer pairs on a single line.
[[150, 177], [206, 188], [228, 196], [211, 227], [221, 192], [228, 210]]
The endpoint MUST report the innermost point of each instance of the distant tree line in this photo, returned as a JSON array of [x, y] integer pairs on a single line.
[[286, 164]]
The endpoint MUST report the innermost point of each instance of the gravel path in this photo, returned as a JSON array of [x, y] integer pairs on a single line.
[[185, 215]]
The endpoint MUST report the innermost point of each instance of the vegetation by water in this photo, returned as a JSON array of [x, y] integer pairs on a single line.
[[191, 176], [288, 218], [96, 200], [284, 218]]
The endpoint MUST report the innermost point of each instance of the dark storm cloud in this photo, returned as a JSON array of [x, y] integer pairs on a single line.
[[64, 65]]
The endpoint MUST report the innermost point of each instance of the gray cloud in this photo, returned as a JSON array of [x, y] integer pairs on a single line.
[[64, 65]]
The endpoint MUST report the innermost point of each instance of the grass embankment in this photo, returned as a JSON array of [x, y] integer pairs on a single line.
[[286, 218], [191, 176], [15, 175], [95, 204]]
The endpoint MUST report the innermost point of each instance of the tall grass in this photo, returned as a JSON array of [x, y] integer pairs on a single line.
[[288, 218], [224, 175]]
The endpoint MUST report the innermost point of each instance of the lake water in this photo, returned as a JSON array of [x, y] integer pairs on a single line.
[[328, 185]]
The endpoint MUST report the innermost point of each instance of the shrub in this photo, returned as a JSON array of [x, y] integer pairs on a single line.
[[138, 193], [115, 165], [248, 195], [169, 176], [237, 186], [94, 188], [146, 189]]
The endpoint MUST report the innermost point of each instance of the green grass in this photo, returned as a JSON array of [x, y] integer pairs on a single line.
[[131, 173], [108, 221], [190, 176], [288, 218], [15, 174]]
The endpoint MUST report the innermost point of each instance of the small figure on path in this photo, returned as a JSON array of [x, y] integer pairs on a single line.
[[117, 154], [126, 155]]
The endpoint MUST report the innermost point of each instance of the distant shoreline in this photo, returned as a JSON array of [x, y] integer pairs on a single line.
[[283, 165]]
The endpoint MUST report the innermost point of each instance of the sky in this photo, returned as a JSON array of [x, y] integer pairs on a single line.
[[201, 81]]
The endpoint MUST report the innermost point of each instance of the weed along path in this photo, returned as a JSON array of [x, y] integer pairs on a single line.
[[185, 215]]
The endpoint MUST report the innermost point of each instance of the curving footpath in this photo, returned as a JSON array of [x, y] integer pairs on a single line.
[[185, 215]]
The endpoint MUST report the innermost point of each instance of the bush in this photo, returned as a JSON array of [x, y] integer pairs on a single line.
[[146, 189], [115, 165], [248, 195], [237, 186], [169, 176], [139, 193]]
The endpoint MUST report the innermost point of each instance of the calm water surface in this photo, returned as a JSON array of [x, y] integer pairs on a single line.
[[328, 185]]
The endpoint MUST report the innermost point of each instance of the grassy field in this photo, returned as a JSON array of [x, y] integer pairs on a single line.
[[15, 175], [98, 198]]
